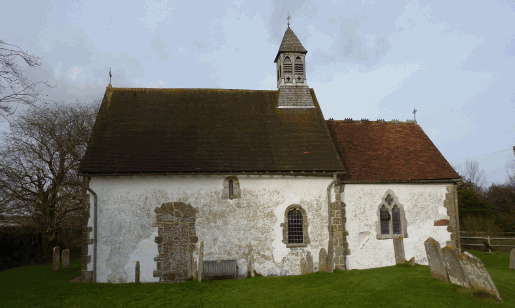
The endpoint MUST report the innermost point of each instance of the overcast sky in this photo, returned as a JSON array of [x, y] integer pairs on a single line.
[[451, 60]]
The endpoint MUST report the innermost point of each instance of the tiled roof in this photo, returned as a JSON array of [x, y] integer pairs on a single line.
[[383, 151], [206, 130], [295, 96], [290, 43]]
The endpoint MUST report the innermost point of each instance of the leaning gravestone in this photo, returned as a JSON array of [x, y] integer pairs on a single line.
[[66, 258], [477, 274], [452, 264], [512, 258], [322, 260], [398, 247], [55, 264], [434, 257], [309, 263]]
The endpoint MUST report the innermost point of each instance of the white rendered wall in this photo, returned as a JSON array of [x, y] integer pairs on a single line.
[[423, 204], [229, 228]]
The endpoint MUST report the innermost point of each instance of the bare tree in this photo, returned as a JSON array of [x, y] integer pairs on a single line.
[[39, 164], [15, 87], [475, 176]]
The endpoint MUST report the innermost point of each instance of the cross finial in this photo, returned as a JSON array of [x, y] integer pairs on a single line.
[[289, 17], [110, 76], [414, 114]]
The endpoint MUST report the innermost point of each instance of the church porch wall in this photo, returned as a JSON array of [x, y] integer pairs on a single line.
[[127, 227], [423, 204]]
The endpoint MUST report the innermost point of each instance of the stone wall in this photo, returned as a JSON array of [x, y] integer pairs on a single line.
[[423, 205], [127, 227]]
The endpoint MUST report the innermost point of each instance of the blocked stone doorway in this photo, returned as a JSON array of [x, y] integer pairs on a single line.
[[176, 240]]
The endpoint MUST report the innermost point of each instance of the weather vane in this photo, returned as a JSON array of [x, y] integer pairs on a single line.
[[110, 76], [414, 114], [288, 19]]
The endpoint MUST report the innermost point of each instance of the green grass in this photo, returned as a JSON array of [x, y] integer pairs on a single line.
[[394, 286]]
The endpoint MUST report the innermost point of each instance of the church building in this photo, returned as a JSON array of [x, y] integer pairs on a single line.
[[257, 176]]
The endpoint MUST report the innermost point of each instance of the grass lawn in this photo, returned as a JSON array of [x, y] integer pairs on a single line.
[[394, 286]]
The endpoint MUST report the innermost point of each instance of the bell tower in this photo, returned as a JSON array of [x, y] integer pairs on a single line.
[[290, 60], [291, 73]]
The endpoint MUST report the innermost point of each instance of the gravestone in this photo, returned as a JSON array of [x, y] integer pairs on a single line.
[[136, 273], [477, 275], [303, 266], [200, 261], [309, 263], [435, 260], [398, 248], [412, 261], [66, 258], [512, 258], [452, 265], [194, 269], [322, 260], [55, 264]]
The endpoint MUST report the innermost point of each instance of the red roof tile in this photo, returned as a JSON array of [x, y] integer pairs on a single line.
[[372, 151]]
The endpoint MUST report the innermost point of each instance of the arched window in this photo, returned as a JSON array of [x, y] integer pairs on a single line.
[[392, 220], [231, 188], [299, 66], [385, 220], [295, 227], [287, 65], [396, 220], [295, 233], [231, 193]]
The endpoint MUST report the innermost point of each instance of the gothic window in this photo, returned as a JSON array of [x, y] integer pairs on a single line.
[[231, 188], [299, 66], [385, 220], [295, 227], [287, 65], [392, 220]]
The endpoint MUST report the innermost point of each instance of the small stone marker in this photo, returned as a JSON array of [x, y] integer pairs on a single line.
[[412, 261], [398, 247], [137, 272], [322, 260], [55, 264], [194, 269], [477, 275], [309, 263], [435, 260], [251, 267], [200, 261], [452, 264], [66, 258], [512, 258], [303, 266]]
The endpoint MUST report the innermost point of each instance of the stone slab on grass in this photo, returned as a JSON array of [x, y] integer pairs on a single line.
[[55, 263], [452, 264], [412, 261], [512, 258], [322, 260], [398, 248], [477, 275], [434, 257]]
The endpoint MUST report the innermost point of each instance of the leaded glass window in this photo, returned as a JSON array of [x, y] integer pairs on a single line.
[[385, 220], [396, 220], [295, 232]]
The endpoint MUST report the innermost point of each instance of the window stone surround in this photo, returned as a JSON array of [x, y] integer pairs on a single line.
[[305, 225], [236, 191], [404, 223]]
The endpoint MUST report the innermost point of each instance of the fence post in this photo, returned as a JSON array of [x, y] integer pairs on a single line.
[[136, 279], [489, 250]]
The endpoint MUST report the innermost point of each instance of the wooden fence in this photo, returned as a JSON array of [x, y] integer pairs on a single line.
[[487, 242]]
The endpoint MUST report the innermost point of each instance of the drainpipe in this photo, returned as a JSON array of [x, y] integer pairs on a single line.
[[95, 235], [329, 224]]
